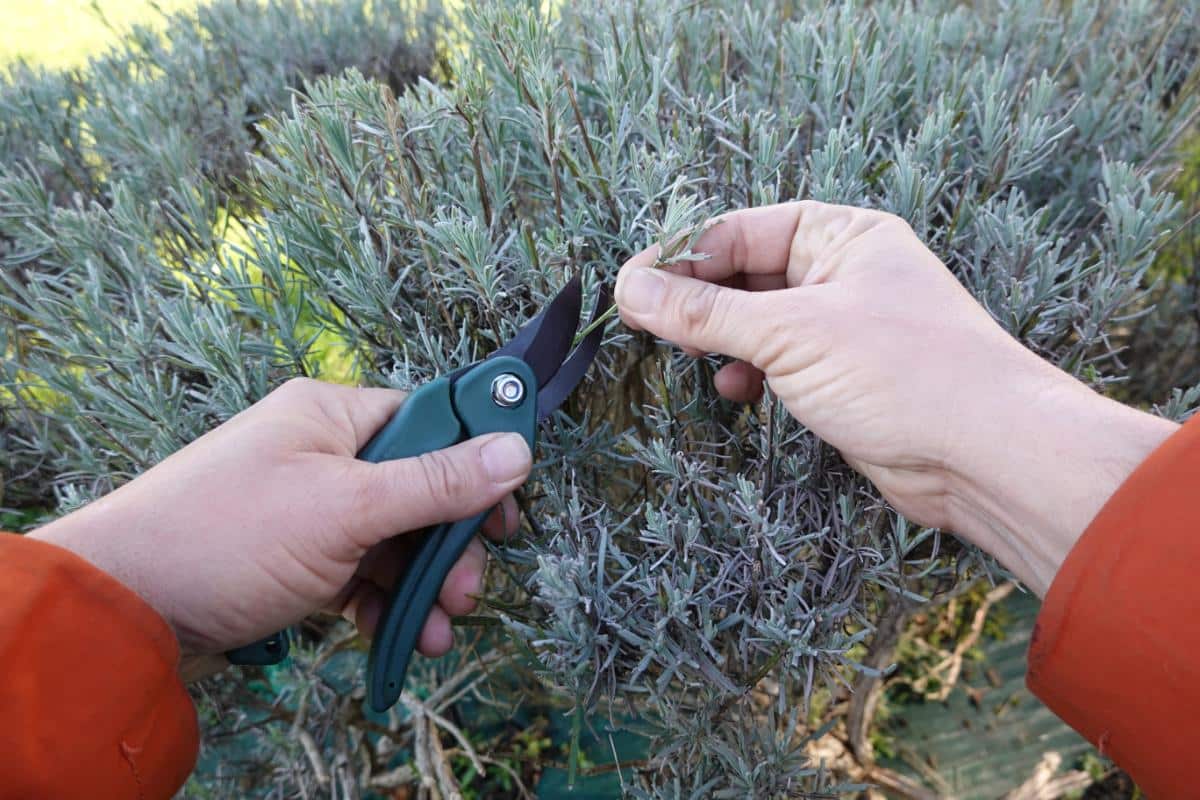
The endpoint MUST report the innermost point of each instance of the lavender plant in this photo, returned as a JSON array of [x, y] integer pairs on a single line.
[[704, 573], [129, 170]]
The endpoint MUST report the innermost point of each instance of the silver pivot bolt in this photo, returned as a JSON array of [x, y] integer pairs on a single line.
[[507, 390]]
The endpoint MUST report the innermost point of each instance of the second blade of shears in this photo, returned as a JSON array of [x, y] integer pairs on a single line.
[[545, 340]]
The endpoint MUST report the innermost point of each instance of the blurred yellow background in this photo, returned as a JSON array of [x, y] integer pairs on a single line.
[[61, 33]]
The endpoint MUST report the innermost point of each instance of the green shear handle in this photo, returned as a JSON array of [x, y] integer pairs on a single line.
[[511, 390], [496, 395], [499, 394]]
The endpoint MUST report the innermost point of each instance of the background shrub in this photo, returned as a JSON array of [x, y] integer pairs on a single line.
[[133, 166], [1163, 345], [704, 573]]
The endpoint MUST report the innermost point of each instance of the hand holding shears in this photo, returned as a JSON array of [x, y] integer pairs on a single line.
[[514, 388]]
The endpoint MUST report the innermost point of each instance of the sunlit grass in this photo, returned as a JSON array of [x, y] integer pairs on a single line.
[[63, 33]]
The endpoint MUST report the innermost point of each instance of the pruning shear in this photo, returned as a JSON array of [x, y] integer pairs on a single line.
[[513, 389]]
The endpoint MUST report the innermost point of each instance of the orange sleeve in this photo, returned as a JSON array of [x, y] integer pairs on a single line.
[[90, 701], [1116, 649]]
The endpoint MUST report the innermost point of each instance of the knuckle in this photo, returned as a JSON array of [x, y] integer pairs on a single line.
[[885, 221], [807, 208], [300, 384], [788, 310], [367, 488], [776, 338], [443, 476], [297, 388], [700, 306]]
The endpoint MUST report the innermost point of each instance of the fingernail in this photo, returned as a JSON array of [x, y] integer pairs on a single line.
[[505, 458], [641, 290]]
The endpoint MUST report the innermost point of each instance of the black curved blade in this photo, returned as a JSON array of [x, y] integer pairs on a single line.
[[555, 391], [545, 340]]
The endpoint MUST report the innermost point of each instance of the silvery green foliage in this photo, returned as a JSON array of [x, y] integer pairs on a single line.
[[119, 177], [693, 568], [166, 107], [1163, 347]]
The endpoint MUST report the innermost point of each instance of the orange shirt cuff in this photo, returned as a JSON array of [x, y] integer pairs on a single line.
[[91, 699], [1116, 648]]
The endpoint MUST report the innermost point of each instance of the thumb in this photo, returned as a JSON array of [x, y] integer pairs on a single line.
[[697, 314], [408, 494]]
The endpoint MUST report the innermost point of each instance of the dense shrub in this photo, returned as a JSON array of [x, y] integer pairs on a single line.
[[1163, 346], [696, 570], [166, 108], [134, 163]]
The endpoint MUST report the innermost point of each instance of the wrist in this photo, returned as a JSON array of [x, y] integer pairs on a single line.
[[99, 534], [1041, 466]]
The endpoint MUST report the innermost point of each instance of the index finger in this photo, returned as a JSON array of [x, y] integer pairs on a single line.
[[753, 242]]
